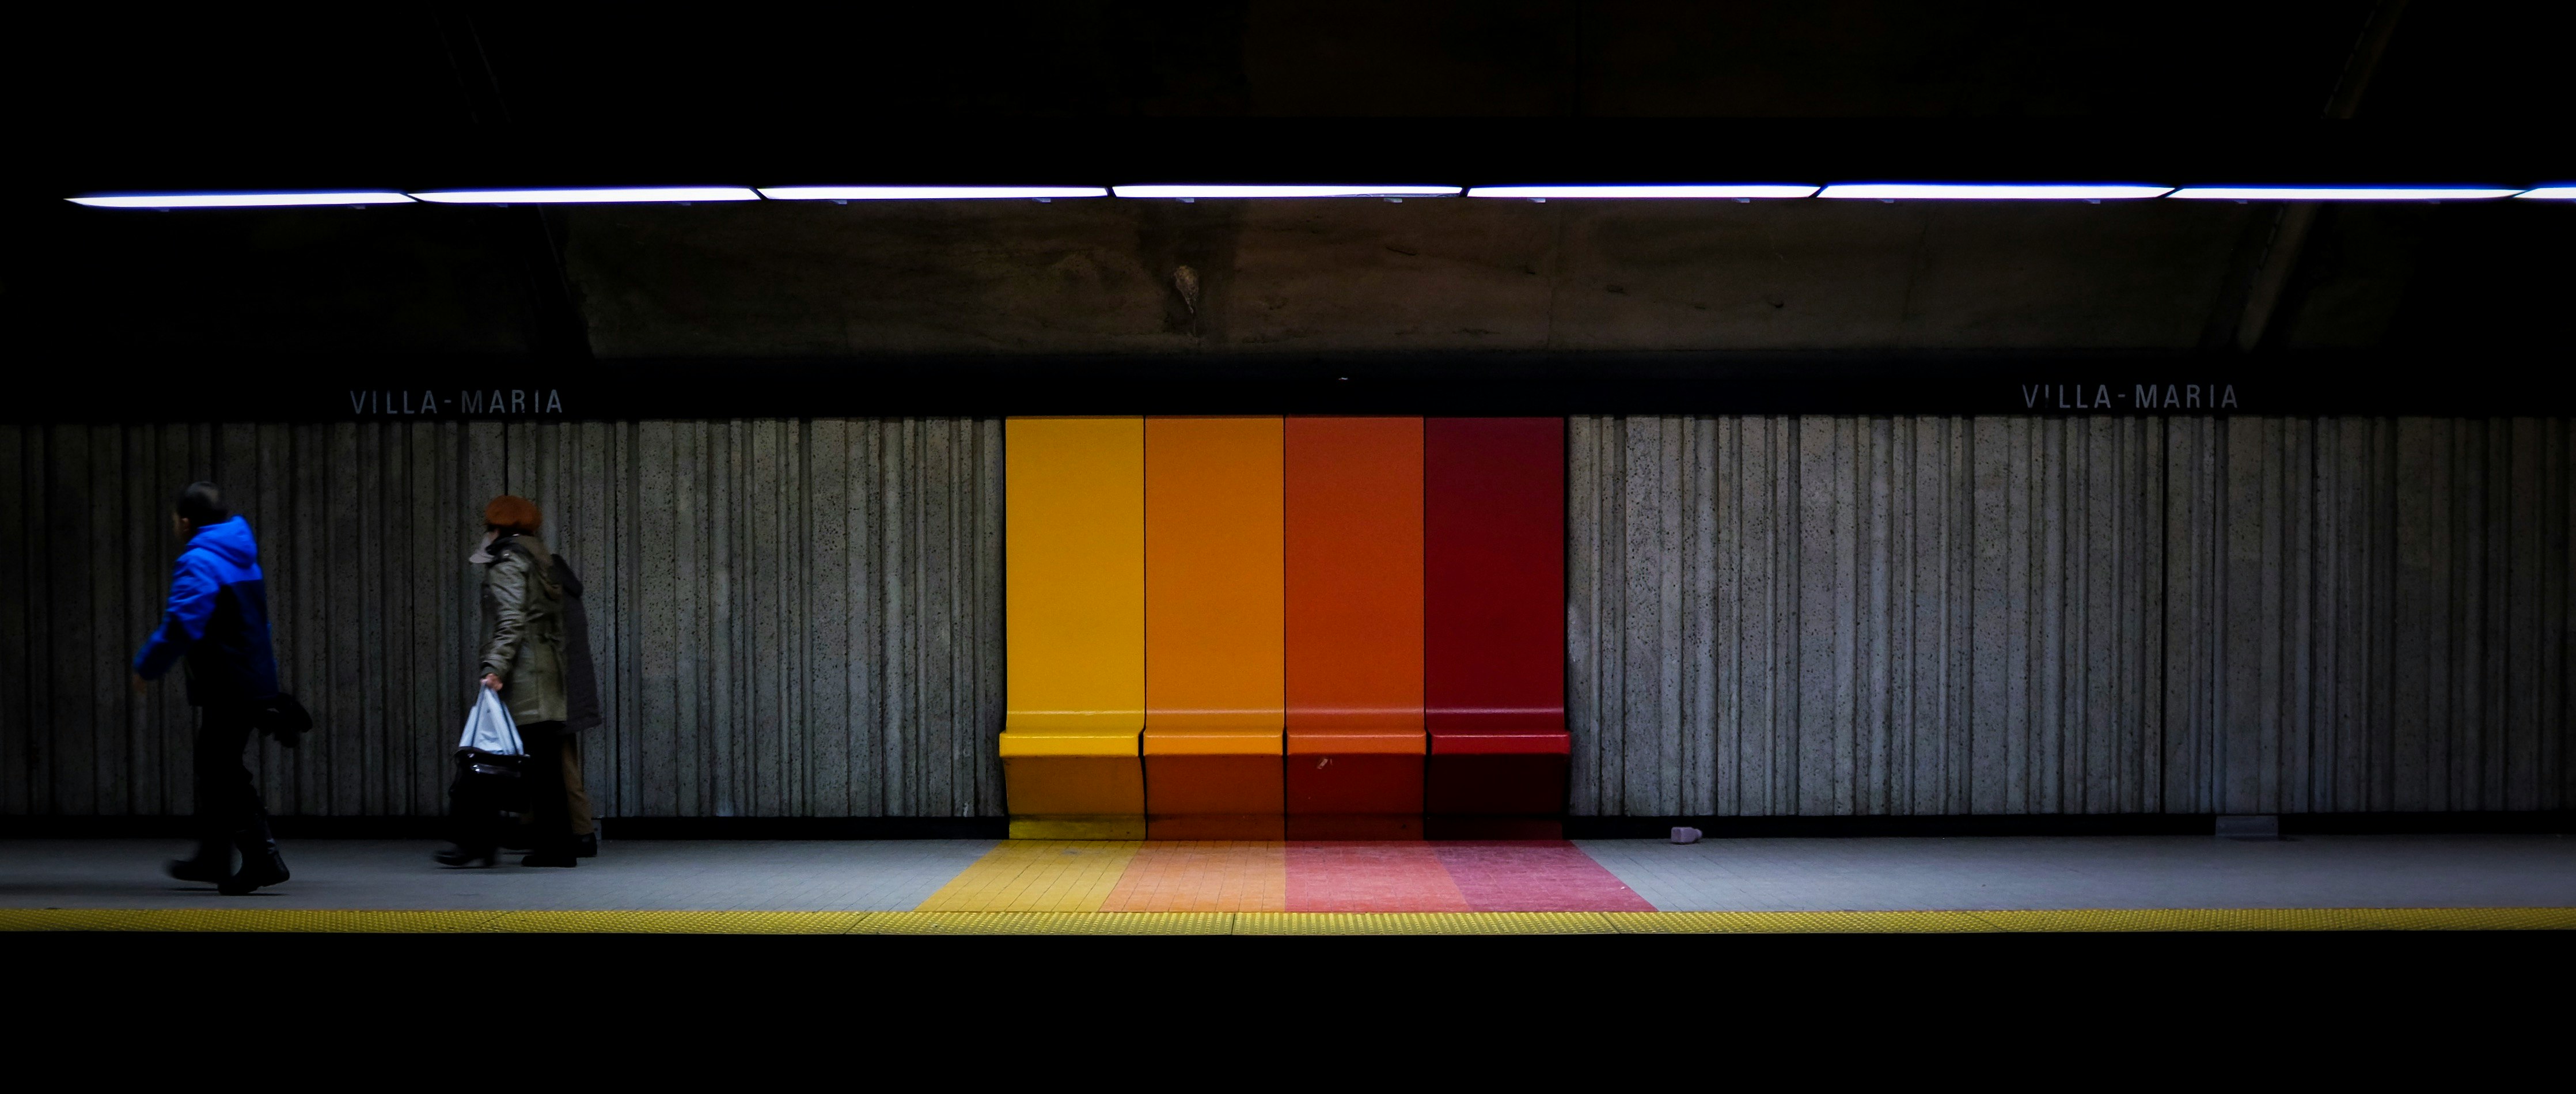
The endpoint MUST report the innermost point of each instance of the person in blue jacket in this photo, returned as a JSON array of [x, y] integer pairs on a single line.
[[216, 627]]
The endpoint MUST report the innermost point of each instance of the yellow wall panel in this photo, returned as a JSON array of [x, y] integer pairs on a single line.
[[1075, 556]]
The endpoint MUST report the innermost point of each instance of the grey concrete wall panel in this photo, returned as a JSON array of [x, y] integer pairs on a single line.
[[1765, 615], [2068, 615], [791, 618]]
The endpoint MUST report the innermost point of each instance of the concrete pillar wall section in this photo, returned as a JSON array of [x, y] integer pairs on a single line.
[[1828, 615], [1815, 615], [792, 618]]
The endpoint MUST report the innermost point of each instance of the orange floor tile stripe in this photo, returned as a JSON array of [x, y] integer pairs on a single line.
[[1203, 876]]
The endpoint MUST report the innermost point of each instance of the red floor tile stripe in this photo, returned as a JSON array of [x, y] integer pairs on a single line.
[[1533, 876]]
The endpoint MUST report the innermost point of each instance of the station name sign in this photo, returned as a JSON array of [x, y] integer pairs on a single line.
[[2129, 398], [2211, 397], [486, 402], [2184, 385]]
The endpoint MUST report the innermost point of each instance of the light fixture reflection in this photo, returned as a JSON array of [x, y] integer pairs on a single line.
[[1992, 191], [2338, 193], [241, 201], [587, 197], [1267, 191], [1646, 190], [926, 193]]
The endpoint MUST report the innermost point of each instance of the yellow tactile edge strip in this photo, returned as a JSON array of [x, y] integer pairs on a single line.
[[228, 920]]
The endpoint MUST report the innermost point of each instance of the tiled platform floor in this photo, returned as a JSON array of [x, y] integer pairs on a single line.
[[1997, 873], [1618, 876], [855, 875], [1189, 876]]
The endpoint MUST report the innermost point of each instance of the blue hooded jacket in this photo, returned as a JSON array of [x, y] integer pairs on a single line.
[[217, 620]]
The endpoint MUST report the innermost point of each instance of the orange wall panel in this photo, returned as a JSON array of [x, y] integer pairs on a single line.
[[1213, 593], [1354, 573]]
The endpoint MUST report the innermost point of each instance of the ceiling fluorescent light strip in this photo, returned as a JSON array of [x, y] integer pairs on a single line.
[[242, 201], [1992, 191], [2338, 193], [927, 193], [602, 196], [1215, 191], [1738, 191]]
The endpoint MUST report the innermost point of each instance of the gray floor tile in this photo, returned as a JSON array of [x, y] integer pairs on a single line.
[[841, 875], [1992, 873]]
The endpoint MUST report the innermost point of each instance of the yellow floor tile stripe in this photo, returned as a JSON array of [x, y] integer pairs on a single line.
[[1058, 922], [1926, 922], [1037, 876], [663, 922], [1048, 923]]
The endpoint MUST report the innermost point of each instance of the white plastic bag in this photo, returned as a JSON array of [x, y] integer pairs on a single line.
[[490, 727]]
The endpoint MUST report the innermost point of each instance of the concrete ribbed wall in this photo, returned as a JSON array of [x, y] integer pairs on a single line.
[[1810, 615], [793, 618], [1826, 615]]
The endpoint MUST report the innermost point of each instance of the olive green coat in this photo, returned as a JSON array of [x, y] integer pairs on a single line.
[[523, 615]]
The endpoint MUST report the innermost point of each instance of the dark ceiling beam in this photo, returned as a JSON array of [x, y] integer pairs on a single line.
[[2292, 222], [533, 236]]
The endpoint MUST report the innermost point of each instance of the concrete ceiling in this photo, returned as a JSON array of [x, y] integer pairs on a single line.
[[1349, 276]]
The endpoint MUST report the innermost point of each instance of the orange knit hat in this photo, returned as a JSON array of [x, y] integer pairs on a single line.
[[512, 513]]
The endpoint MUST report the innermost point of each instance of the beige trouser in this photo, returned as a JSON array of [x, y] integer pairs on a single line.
[[576, 796]]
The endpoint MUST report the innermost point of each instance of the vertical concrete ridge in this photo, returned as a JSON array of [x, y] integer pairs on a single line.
[[1916, 615]]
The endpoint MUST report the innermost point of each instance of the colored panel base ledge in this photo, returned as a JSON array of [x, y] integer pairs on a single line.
[[1494, 627], [1212, 628], [1355, 784], [1074, 786], [1354, 628], [294, 921], [1075, 646], [1210, 784]]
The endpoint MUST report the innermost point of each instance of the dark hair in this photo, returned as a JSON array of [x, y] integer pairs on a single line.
[[202, 503]]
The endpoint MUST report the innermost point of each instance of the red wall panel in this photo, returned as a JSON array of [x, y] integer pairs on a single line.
[[1494, 575]]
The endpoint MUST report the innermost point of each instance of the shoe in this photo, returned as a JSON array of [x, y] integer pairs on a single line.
[[586, 846], [197, 870], [261, 864], [459, 856], [555, 859]]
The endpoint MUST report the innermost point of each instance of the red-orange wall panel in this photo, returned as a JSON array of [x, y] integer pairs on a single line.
[[1354, 573]]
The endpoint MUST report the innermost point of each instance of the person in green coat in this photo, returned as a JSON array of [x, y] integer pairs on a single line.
[[524, 660]]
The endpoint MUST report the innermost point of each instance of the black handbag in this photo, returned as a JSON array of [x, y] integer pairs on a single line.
[[284, 719], [492, 779]]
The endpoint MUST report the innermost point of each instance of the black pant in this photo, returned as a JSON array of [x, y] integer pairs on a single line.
[[550, 812], [541, 784], [228, 807]]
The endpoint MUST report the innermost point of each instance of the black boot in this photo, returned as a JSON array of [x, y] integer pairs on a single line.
[[261, 864], [586, 846], [211, 866], [461, 855]]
